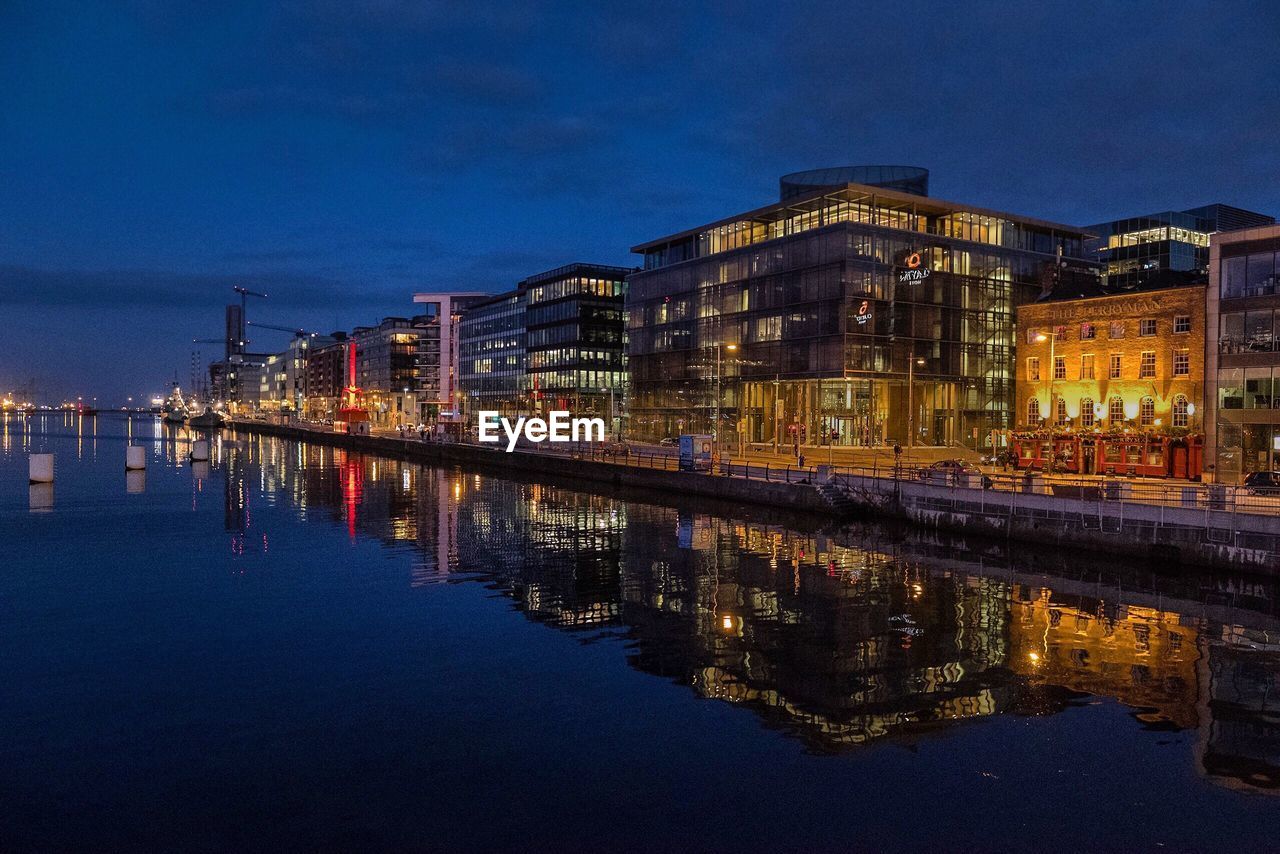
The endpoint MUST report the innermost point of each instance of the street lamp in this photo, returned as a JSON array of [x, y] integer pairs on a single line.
[[612, 425], [715, 429], [911, 405], [1052, 338]]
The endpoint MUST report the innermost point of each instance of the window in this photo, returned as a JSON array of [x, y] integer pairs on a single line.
[[1062, 412], [1147, 367], [1146, 412], [1087, 332], [1087, 414], [1115, 411], [1060, 332], [1180, 413], [1117, 329], [1182, 363], [1117, 366], [1086, 366], [1033, 411], [1032, 334], [1059, 367], [1147, 327], [1232, 278], [1182, 323], [1033, 369]]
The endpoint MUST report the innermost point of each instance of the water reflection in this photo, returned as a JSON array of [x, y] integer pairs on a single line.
[[839, 638]]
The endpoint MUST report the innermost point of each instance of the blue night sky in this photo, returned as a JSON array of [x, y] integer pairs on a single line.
[[342, 156]]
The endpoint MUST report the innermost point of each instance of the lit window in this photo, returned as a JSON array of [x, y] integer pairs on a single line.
[[1117, 366], [1033, 369], [1147, 327], [1182, 323], [1062, 412], [1033, 411], [1117, 329], [1115, 411], [1146, 412], [1087, 332], [1182, 363], [1086, 412], [1059, 367], [1180, 418], [1086, 366], [1147, 367]]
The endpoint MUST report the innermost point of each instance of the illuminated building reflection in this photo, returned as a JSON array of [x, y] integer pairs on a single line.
[[838, 639]]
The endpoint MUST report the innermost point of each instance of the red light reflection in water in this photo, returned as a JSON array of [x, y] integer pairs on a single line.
[[352, 474]]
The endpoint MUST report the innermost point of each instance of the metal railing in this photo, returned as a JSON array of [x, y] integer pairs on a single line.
[[882, 478]]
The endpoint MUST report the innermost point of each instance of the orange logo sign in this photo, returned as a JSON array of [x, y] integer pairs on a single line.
[[913, 260]]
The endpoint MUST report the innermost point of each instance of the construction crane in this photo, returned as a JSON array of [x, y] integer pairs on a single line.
[[297, 333]]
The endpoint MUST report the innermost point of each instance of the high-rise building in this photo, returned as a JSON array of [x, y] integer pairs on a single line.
[[1242, 353], [853, 313], [1165, 249]]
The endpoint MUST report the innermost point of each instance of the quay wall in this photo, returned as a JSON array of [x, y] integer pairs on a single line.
[[1199, 536]]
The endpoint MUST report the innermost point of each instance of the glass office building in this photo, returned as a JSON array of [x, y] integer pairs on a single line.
[[1166, 249], [492, 359], [1242, 356], [556, 341], [852, 314]]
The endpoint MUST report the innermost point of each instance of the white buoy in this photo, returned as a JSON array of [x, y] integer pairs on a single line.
[[135, 458], [200, 449], [40, 468]]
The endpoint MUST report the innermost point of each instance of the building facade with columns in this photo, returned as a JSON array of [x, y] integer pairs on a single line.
[[1126, 362]]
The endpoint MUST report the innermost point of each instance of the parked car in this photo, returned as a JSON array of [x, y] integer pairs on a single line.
[[669, 442], [952, 469], [1262, 482]]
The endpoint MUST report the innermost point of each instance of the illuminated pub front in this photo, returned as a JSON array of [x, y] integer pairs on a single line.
[[857, 310]]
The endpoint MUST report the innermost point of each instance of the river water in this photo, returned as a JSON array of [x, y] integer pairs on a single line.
[[295, 647]]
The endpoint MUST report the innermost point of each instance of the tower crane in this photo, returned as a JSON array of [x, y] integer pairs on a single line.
[[297, 333]]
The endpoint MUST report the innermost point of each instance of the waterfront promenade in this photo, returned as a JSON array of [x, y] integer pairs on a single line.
[[1210, 525]]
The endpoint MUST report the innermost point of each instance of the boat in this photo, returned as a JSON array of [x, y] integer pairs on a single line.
[[207, 420], [174, 410]]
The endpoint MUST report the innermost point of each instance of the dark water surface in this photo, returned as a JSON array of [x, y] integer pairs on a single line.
[[293, 647]]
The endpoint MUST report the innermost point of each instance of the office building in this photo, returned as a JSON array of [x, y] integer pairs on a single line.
[[492, 356], [439, 389], [387, 370], [1165, 249], [853, 313], [1242, 359], [575, 338], [327, 372], [555, 342]]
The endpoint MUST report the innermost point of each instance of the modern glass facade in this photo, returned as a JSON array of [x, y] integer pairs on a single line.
[[1243, 354], [555, 342], [491, 344], [1163, 249], [855, 315], [576, 338]]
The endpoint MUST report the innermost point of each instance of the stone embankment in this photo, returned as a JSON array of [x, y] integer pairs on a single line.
[[1198, 531]]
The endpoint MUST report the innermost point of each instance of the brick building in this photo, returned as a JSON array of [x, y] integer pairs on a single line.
[[1113, 363]]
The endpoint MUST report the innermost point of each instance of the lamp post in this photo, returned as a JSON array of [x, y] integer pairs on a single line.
[[1052, 338], [911, 406], [715, 427], [612, 427]]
